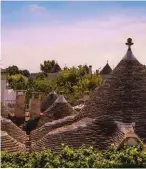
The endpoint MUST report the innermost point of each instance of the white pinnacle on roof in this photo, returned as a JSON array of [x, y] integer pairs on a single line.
[[60, 99], [129, 55]]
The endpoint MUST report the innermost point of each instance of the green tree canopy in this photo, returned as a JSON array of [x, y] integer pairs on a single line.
[[12, 70], [25, 72], [50, 66], [17, 82]]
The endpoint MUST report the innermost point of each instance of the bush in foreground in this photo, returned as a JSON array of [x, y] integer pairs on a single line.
[[128, 157]]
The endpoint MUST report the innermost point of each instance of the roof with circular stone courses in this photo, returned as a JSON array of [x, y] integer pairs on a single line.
[[47, 127], [60, 109], [122, 95], [59, 136], [87, 131], [10, 144], [48, 101], [13, 130]]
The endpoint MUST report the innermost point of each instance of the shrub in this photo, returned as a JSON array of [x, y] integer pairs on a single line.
[[128, 157]]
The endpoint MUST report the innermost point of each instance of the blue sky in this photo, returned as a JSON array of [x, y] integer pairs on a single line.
[[60, 30], [17, 12]]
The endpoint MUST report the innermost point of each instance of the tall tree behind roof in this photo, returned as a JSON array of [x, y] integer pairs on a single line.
[[50, 66], [12, 70]]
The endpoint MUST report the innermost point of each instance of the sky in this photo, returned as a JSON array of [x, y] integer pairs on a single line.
[[72, 33]]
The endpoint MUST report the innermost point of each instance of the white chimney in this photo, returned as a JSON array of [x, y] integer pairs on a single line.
[[90, 69]]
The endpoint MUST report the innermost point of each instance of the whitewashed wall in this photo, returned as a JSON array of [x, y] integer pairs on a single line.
[[10, 96], [3, 88]]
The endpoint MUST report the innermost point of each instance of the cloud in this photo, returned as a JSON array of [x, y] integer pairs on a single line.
[[36, 8], [91, 41]]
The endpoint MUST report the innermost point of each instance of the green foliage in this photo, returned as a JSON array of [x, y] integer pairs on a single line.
[[17, 82], [41, 76], [72, 81], [50, 66], [12, 70], [127, 157], [25, 73], [75, 81]]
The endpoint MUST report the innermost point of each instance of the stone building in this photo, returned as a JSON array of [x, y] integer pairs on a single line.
[[115, 113]]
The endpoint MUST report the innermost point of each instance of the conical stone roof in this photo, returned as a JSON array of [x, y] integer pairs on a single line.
[[48, 101], [4, 111], [60, 109], [106, 70], [13, 130], [10, 144], [122, 95]]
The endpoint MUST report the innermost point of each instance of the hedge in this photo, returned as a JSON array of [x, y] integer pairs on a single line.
[[127, 157]]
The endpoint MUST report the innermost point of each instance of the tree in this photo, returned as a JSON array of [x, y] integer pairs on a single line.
[[56, 68], [43, 85], [86, 68], [12, 70], [25, 72], [82, 157], [41, 76], [18, 82], [50, 66]]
